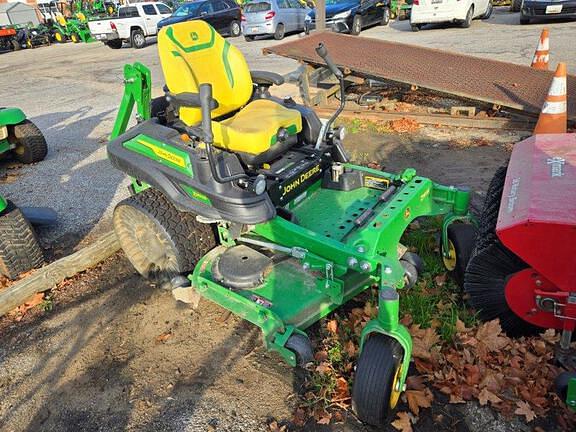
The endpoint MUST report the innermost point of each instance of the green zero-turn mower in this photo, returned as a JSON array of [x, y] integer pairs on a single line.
[[19, 247], [251, 202], [20, 137]]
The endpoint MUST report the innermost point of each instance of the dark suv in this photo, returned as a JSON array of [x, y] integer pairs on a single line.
[[223, 15], [351, 16]]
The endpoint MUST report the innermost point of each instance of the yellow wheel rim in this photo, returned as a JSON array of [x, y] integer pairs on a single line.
[[74, 38], [450, 260], [19, 150], [29, 44], [58, 37], [396, 390]]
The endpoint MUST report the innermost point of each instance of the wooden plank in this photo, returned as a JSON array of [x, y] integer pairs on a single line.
[[434, 119], [47, 277]]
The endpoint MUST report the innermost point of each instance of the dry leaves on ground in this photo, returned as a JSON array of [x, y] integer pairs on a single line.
[[404, 125]]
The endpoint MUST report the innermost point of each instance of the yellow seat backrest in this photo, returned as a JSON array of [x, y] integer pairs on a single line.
[[193, 53], [61, 20], [81, 16]]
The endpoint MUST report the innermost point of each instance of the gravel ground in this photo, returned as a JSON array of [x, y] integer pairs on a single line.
[[72, 93]]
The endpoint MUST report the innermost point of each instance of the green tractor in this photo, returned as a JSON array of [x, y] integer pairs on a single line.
[[74, 29], [19, 247], [250, 201], [20, 137]]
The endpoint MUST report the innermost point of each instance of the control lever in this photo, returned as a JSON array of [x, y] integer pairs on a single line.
[[323, 52], [206, 103]]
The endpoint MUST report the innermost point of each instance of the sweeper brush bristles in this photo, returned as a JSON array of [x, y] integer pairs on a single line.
[[491, 265], [485, 280]]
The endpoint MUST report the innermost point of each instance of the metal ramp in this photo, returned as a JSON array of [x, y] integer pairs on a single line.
[[509, 85]]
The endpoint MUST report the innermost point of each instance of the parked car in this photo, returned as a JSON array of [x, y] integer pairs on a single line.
[[134, 23], [272, 17], [456, 11], [546, 10], [223, 15], [351, 16]]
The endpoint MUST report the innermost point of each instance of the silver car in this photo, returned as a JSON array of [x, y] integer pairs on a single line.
[[272, 17]]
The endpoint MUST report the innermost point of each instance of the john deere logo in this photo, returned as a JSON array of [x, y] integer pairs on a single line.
[[194, 36]]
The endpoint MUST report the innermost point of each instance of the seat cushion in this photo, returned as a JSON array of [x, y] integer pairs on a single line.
[[254, 128]]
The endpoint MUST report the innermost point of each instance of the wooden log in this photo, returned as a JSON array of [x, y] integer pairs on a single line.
[[433, 119], [47, 277]]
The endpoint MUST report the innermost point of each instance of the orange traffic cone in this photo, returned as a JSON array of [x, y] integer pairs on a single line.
[[553, 117], [542, 54]]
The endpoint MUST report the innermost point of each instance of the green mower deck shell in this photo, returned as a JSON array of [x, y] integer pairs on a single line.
[[9, 117]]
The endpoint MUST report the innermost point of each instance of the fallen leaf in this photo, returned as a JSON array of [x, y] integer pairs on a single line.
[[423, 341], [415, 382], [488, 334], [350, 348], [332, 326], [403, 422], [323, 368], [299, 418], [418, 399], [321, 356], [341, 391], [32, 302], [525, 410], [486, 396], [163, 337], [440, 279]]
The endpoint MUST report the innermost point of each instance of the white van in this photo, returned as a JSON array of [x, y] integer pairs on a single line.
[[457, 11]]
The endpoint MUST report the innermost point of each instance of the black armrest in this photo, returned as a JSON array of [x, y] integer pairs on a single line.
[[189, 100], [266, 78]]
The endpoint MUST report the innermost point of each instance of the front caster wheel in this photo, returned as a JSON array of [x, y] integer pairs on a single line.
[[461, 238], [376, 387], [302, 347]]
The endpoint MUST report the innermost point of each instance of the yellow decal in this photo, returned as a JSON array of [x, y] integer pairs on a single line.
[[425, 194], [376, 182], [300, 180], [407, 213], [164, 154]]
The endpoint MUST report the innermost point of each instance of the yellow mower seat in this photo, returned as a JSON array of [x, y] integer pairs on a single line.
[[193, 53]]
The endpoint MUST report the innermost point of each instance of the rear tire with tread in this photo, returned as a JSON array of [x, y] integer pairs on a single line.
[[469, 16], [356, 25], [515, 6], [386, 16], [279, 32], [159, 240], [30, 144], [19, 247], [235, 29], [138, 39], [114, 44]]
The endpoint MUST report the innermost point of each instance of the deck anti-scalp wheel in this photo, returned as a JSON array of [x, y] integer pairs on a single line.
[[160, 241], [30, 144], [461, 238], [19, 247], [302, 347], [376, 387]]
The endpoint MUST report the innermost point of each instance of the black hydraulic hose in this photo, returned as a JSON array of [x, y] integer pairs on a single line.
[[206, 108]]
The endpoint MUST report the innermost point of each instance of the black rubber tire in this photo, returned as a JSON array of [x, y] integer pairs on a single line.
[[75, 38], [463, 237], [415, 27], [15, 45], [414, 259], [515, 5], [137, 39], [373, 381], [410, 274], [148, 223], [469, 16], [158, 107], [248, 38], [19, 247], [356, 25], [524, 21], [488, 12], [235, 30], [62, 37], [302, 347], [561, 384], [386, 16], [279, 32], [114, 44], [30, 144]]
